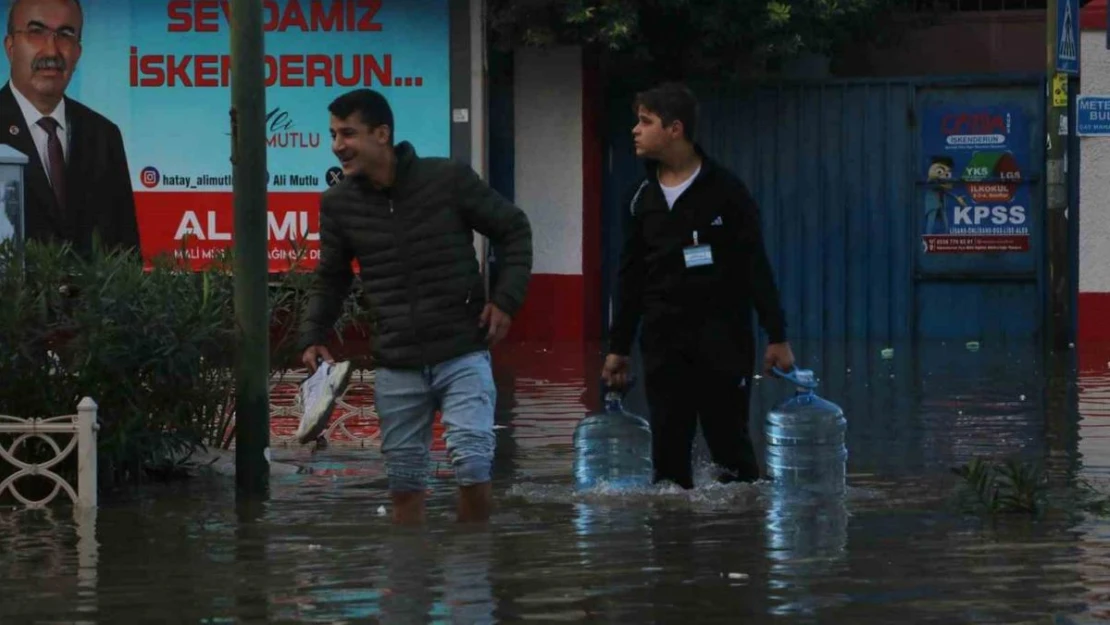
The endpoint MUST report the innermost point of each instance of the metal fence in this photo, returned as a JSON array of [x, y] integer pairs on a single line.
[[61, 435]]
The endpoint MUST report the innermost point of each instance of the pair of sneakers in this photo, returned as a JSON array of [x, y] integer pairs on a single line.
[[319, 393]]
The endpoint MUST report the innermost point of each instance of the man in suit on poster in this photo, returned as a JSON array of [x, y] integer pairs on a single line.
[[77, 179]]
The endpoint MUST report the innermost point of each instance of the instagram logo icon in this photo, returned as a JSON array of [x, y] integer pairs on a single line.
[[149, 177]]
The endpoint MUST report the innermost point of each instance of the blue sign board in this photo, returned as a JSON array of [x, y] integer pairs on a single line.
[[977, 198], [1067, 36], [1092, 116]]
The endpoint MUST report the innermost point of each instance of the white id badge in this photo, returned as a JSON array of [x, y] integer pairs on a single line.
[[698, 256]]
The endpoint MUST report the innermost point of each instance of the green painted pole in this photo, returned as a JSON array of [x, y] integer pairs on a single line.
[[1056, 181], [248, 159]]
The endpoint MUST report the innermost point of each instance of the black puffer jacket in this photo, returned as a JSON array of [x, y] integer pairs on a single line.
[[415, 249]]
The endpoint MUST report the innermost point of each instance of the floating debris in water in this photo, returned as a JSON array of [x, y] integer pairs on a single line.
[[888, 353], [736, 575], [381, 510], [973, 346], [1022, 398]]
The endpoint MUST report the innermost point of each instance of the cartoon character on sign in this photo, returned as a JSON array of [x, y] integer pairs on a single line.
[[940, 188]]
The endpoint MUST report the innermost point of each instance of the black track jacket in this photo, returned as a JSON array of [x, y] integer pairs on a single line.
[[704, 312]]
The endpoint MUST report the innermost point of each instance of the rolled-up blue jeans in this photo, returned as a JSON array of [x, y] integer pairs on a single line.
[[406, 400]]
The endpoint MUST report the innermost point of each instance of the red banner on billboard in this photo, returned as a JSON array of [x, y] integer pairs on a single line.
[[196, 226]]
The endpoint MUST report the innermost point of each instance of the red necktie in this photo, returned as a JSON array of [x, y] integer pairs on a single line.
[[57, 164]]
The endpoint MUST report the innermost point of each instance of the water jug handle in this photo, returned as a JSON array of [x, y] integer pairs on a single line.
[[805, 380], [606, 390]]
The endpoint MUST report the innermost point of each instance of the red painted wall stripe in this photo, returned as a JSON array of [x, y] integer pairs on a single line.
[[552, 310], [1094, 317]]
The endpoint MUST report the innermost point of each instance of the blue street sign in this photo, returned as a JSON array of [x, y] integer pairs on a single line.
[[1067, 36], [1092, 116]]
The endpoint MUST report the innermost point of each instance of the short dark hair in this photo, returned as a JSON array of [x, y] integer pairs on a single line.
[[369, 104], [671, 101], [15, 3]]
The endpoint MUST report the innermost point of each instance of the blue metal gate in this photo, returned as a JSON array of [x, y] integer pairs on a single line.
[[841, 173]]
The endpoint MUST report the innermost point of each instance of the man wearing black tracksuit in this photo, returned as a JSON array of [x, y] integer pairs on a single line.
[[692, 269]]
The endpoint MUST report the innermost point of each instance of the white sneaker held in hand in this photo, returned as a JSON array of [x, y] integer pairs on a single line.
[[320, 392]]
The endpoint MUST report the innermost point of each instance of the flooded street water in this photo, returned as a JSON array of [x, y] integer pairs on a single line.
[[896, 549]]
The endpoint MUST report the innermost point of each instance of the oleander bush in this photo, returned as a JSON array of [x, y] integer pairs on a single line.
[[154, 347]]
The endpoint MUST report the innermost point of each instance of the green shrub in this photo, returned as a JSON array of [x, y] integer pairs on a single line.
[[1012, 486], [1004, 487], [155, 349]]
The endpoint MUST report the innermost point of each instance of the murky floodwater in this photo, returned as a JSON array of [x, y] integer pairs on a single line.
[[896, 549]]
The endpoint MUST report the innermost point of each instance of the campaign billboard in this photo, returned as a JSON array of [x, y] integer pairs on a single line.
[[161, 71]]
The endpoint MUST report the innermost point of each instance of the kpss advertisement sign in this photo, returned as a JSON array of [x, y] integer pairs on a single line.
[[977, 198]]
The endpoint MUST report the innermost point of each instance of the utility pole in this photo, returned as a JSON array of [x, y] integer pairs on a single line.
[[249, 180], [1062, 36]]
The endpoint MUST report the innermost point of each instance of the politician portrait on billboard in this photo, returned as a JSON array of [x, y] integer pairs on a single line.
[[76, 182], [145, 112]]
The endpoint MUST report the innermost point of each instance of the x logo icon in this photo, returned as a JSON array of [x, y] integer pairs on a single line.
[[334, 176]]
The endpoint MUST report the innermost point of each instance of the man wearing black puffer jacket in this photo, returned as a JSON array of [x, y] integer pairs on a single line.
[[409, 223], [692, 269]]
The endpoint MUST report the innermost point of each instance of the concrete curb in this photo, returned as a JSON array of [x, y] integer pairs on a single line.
[[222, 462]]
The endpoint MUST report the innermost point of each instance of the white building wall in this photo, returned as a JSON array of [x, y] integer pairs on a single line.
[[548, 144], [1094, 174]]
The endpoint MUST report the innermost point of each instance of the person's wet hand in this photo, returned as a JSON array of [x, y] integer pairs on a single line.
[[314, 352], [498, 322], [615, 371], [778, 355]]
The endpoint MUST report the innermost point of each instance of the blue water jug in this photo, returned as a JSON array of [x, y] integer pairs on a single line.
[[612, 447], [804, 439]]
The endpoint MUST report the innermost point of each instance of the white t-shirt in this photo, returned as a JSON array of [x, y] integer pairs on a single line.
[[672, 193]]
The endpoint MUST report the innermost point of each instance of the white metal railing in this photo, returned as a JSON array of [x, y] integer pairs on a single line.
[[81, 428]]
